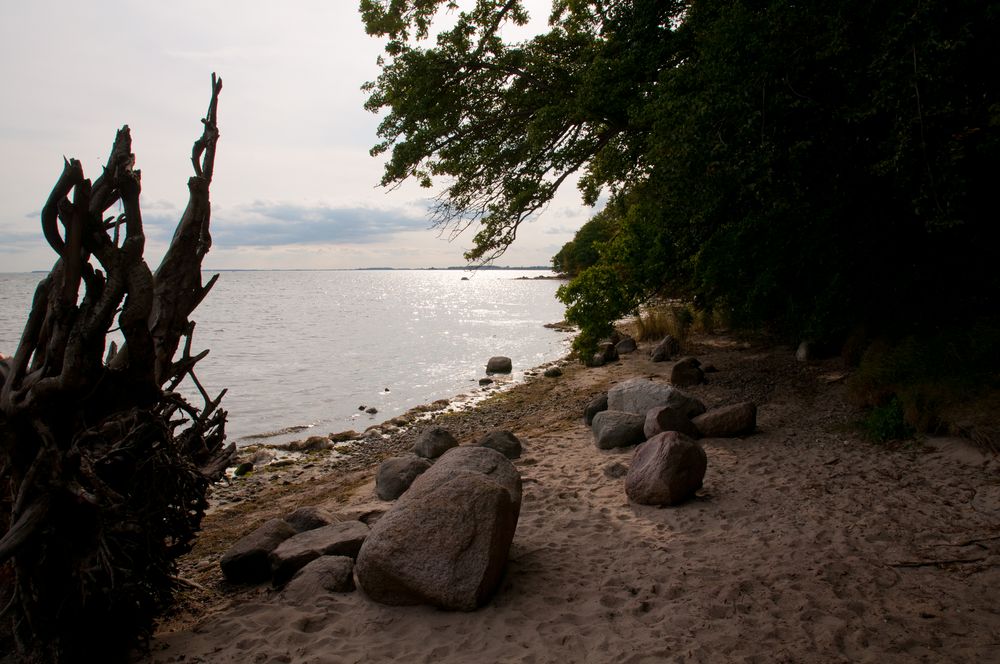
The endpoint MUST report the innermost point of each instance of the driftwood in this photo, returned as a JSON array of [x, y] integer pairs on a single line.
[[105, 466]]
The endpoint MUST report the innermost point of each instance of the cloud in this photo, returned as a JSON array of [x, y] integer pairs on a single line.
[[270, 224]]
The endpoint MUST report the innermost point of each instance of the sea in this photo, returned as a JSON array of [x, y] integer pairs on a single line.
[[305, 353]]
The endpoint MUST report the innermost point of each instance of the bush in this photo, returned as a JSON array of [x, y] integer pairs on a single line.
[[926, 379], [886, 423], [655, 322]]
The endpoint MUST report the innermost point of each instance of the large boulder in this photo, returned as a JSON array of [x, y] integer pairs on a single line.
[[433, 442], [639, 395], [667, 469], [446, 542], [616, 428], [728, 422], [472, 459], [596, 405], [665, 350], [248, 559], [337, 539], [499, 364], [332, 574], [668, 418], [504, 442], [687, 372], [396, 474]]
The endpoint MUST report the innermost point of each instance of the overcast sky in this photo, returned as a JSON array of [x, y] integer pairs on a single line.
[[294, 184]]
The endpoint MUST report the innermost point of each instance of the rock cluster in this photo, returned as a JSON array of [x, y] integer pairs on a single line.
[[280, 548], [669, 464], [446, 540]]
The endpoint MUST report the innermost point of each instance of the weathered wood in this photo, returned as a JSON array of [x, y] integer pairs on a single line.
[[105, 467]]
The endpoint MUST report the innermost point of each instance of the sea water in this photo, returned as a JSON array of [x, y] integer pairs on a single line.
[[301, 351]]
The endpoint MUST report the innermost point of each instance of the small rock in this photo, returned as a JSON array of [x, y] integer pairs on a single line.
[[608, 352], [261, 457], [615, 428], [664, 350], [344, 436], [687, 372], [248, 559], [806, 352], [504, 442], [396, 474], [334, 574], [728, 422], [553, 372], [244, 468], [485, 381], [596, 405], [309, 517], [616, 470], [371, 410], [668, 418], [367, 513], [338, 539], [433, 442], [310, 444], [626, 345]]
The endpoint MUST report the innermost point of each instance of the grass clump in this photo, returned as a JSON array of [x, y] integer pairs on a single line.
[[887, 422], [657, 321]]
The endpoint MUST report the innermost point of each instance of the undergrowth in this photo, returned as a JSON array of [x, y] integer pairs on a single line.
[[922, 383]]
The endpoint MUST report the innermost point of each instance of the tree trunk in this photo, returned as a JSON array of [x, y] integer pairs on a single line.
[[105, 466]]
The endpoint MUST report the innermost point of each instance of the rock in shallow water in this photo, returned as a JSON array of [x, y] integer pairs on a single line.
[[499, 364]]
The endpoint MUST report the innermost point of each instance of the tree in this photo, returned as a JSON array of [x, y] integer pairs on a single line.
[[584, 249], [808, 166], [105, 466]]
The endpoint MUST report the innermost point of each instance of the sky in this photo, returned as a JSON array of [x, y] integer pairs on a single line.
[[294, 184]]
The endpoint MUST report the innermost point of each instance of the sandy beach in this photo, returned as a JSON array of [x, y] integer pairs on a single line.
[[806, 544]]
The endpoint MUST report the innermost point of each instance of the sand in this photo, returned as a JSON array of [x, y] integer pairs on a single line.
[[806, 544]]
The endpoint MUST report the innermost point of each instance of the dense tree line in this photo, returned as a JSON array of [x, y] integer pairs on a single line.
[[809, 166]]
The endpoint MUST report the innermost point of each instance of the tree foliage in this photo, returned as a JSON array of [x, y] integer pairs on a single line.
[[805, 165], [584, 249]]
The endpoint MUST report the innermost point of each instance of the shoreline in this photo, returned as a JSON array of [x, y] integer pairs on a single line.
[[348, 443], [821, 545]]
